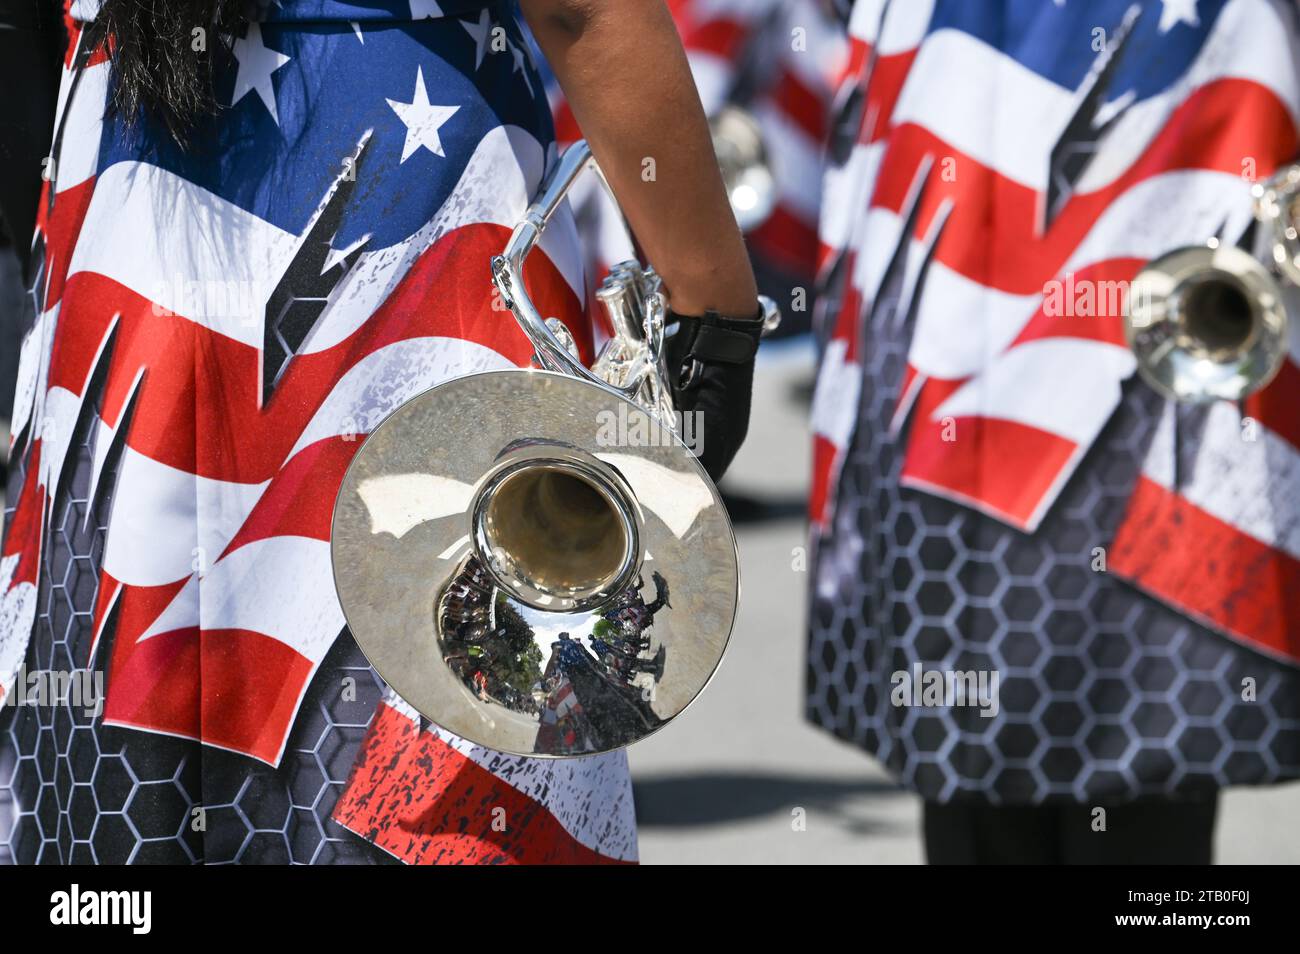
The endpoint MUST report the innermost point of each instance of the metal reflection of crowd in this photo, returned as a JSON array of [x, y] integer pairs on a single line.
[[587, 698], [621, 636], [489, 644]]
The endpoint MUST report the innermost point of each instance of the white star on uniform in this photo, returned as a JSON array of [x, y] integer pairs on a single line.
[[480, 32], [422, 119], [424, 9], [1175, 12], [256, 64]]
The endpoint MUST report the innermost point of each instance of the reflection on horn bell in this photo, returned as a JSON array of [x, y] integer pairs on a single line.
[[540, 588], [746, 168], [1209, 322]]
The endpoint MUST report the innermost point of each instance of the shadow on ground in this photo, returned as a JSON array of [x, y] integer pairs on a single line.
[[747, 509], [684, 801]]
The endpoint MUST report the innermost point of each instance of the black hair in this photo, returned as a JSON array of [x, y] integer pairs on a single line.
[[163, 55]]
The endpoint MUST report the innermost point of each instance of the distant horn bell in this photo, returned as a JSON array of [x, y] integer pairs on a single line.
[[1206, 323], [746, 168]]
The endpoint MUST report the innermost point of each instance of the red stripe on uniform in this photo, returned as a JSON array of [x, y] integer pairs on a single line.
[[848, 320], [1275, 406], [786, 241], [825, 455], [887, 80], [1228, 579], [110, 591], [1212, 130], [300, 500], [1087, 304], [200, 381], [251, 685], [152, 682], [1001, 467], [230, 688], [423, 802], [721, 37], [26, 526], [802, 105], [61, 228]]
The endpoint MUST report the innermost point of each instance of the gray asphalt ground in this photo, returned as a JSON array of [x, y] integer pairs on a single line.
[[728, 781]]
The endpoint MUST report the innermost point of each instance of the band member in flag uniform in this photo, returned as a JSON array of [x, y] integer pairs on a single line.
[[277, 233], [996, 491]]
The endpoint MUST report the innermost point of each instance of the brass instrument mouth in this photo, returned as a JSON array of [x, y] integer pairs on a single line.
[[1206, 323], [561, 531], [1216, 317], [557, 532]]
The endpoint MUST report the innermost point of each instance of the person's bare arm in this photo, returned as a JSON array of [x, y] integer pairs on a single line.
[[622, 67]]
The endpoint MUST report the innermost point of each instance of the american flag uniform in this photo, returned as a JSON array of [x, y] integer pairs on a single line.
[[994, 488], [212, 334]]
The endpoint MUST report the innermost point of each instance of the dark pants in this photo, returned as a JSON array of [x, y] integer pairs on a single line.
[[1150, 831]]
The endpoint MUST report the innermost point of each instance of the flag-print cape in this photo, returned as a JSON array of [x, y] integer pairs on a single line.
[[1017, 163], [218, 328]]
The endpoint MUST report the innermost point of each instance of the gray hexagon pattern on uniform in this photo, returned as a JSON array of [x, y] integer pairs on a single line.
[[75, 791], [1105, 693]]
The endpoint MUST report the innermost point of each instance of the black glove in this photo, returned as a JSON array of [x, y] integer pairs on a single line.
[[711, 365]]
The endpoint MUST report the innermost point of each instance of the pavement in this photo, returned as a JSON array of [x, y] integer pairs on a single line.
[[740, 777]]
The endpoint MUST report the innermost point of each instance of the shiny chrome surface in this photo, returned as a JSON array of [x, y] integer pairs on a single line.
[[1277, 204], [1206, 323], [745, 164], [470, 655], [532, 558]]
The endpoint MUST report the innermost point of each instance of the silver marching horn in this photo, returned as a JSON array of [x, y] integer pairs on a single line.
[[533, 558], [746, 168], [1209, 322]]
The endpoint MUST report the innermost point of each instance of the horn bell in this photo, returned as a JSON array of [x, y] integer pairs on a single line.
[[746, 167], [532, 564], [1206, 323]]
